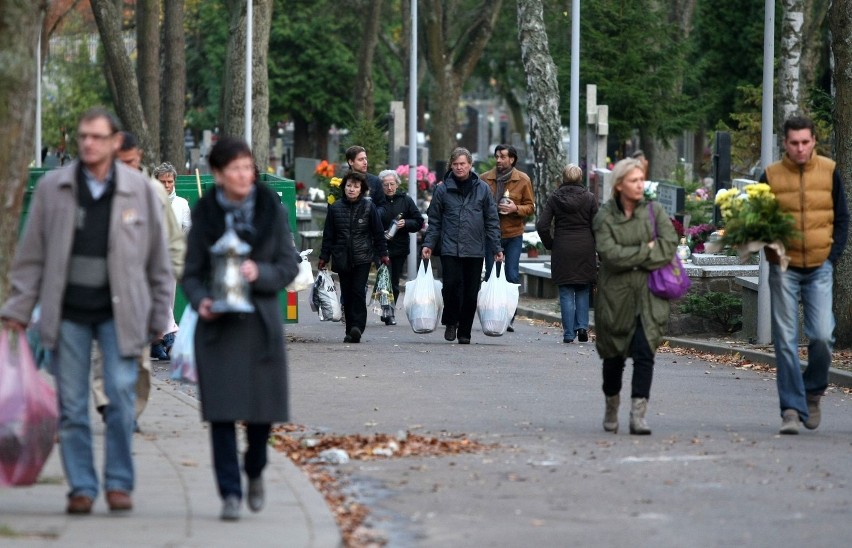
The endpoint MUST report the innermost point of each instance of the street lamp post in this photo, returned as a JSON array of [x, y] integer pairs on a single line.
[[412, 136], [248, 103], [764, 305], [574, 110]]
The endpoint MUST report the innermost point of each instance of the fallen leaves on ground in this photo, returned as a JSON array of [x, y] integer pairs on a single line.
[[351, 517]]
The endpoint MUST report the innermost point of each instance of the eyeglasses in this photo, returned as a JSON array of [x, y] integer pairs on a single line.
[[389, 185], [82, 137]]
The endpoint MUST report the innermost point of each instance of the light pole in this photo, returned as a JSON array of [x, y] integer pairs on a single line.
[[412, 136], [764, 305], [574, 110], [248, 104]]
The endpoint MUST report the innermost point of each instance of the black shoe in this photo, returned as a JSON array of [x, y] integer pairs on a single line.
[[464, 340], [567, 341], [158, 352], [391, 321], [582, 335], [355, 335], [510, 328], [347, 339], [450, 333]]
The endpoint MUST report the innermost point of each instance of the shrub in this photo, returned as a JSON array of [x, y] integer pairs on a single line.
[[723, 309]]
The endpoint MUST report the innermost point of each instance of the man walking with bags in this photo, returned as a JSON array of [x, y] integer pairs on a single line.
[[94, 255]]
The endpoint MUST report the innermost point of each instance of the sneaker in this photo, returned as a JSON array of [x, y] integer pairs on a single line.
[[790, 422], [814, 414], [230, 508], [355, 335], [582, 335], [450, 333], [158, 352], [255, 494]]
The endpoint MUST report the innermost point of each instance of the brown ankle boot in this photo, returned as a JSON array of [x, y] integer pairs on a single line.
[[610, 422]]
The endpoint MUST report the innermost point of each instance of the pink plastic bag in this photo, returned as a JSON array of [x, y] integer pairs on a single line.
[[28, 413]]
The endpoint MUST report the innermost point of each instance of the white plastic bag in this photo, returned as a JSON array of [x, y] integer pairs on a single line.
[[183, 367], [423, 301], [305, 278], [324, 298], [496, 303]]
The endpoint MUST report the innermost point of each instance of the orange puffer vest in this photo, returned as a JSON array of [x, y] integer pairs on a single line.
[[805, 193]]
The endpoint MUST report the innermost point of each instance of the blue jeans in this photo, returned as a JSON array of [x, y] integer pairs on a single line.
[[574, 302], [814, 289], [512, 248], [73, 364]]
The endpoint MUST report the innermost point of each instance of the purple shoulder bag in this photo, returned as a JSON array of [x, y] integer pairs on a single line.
[[670, 281]]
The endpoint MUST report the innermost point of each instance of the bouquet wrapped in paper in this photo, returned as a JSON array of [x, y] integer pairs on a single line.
[[753, 219]]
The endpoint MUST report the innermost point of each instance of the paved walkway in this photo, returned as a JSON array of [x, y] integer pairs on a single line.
[[176, 503], [531, 308]]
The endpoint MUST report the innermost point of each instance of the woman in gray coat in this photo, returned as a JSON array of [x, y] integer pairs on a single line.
[[565, 226], [242, 367]]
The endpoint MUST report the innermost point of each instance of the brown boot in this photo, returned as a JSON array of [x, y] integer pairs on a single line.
[[610, 422], [814, 414]]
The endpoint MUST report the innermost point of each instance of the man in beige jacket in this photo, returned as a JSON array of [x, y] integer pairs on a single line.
[[94, 255]]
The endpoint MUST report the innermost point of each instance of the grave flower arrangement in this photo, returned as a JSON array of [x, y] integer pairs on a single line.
[[329, 184]]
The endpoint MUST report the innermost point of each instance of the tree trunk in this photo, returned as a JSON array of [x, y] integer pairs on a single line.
[[840, 24], [789, 61], [174, 86], [234, 100], [126, 94], [20, 21], [451, 59], [364, 105], [148, 67], [542, 100]]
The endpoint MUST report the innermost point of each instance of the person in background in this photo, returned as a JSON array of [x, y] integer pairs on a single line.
[[166, 174], [565, 226], [241, 358], [639, 154], [93, 254], [808, 187], [130, 154], [351, 238], [356, 158], [463, 221], [401, 210], [630, 321], [506, 180]]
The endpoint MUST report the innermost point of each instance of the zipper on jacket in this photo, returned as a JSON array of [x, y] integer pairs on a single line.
[[803, 209]]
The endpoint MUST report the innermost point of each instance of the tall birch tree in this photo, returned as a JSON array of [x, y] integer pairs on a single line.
[[542, 100]]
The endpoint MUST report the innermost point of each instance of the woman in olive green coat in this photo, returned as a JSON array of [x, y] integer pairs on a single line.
[[629, 320]]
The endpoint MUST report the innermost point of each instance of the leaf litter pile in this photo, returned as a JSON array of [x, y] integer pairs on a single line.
[[315, 453]]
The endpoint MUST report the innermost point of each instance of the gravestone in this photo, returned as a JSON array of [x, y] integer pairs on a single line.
[[671, 197], [303, 171]]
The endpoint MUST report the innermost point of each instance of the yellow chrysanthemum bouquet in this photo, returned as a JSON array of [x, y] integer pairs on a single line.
[[753, 218]]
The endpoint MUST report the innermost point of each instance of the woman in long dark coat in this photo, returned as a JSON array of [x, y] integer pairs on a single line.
[[242, 366], [565, 226]]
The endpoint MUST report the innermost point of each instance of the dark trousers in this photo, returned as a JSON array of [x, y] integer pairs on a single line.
[[461, 278], [226, 461], [396, 267], [643, 367], [353, 293]]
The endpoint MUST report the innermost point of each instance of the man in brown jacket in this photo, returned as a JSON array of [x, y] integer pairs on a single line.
[[808, 187], [94, 255], [513, 194]]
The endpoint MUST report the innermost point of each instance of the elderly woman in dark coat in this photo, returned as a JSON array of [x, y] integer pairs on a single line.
[[400, 210], [242, 367], [565, 226], [630, 320]]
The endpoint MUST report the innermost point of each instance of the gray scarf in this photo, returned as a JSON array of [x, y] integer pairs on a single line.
[[241, 213], [500, 182]]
